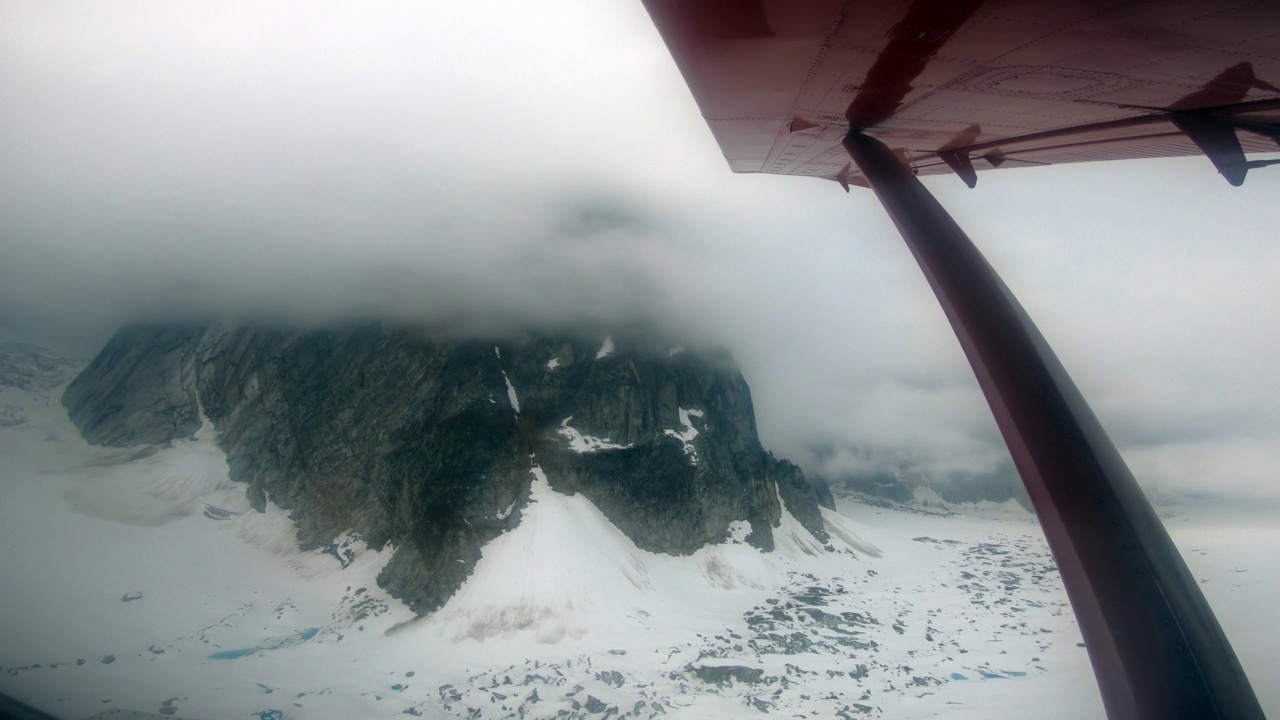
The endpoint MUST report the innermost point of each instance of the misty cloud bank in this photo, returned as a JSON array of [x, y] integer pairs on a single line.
[[308, 163]]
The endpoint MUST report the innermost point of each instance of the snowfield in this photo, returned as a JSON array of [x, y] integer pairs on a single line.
[[143, 581]]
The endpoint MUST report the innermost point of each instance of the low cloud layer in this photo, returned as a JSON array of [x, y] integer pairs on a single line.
[[485, 166]]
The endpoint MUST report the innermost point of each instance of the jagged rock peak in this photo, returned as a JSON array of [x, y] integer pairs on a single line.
[[426, 442]]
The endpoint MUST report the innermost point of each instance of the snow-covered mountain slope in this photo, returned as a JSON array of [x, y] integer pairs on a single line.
[[422, 441], [147, 582]]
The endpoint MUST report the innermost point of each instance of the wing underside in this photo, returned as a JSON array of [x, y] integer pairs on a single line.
[[968, 85]]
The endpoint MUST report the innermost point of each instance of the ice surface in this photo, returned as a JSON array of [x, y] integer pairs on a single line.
[[150, 488], [911, 613]]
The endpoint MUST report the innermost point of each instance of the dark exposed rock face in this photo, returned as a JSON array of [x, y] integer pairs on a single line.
[[879, 484], [416, 441], [140, 389]]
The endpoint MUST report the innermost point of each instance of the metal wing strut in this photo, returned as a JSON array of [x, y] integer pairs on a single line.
[[1156, 648]]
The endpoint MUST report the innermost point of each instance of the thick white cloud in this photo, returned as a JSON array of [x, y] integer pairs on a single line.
[[479, 164]]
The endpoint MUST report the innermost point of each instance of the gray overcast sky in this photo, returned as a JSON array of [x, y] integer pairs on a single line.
[[484, 163]]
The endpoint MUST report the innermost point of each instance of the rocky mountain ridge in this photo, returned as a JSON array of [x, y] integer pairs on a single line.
[[905, 487], [426, 443]]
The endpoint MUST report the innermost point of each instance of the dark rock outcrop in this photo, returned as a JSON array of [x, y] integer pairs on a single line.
[[140, 389], [427, 443], [726, 675]]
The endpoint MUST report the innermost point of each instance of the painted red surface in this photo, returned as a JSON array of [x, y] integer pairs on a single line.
[[1042, 81]]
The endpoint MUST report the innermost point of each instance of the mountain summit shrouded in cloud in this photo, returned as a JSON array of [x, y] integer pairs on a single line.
[[314, 162], [426, 445]]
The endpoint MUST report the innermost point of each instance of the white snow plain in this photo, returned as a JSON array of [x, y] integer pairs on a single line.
[[907, 613]]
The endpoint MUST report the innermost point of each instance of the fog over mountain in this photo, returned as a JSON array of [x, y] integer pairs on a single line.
[[492, 166]]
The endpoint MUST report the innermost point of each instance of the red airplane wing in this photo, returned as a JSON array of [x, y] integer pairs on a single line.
[[844, 90], [966, 85]]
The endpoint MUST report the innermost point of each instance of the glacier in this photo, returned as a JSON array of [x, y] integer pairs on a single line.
[[908, 612]]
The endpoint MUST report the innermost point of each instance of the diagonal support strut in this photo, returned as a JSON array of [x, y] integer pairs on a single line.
[[1157, 650]]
